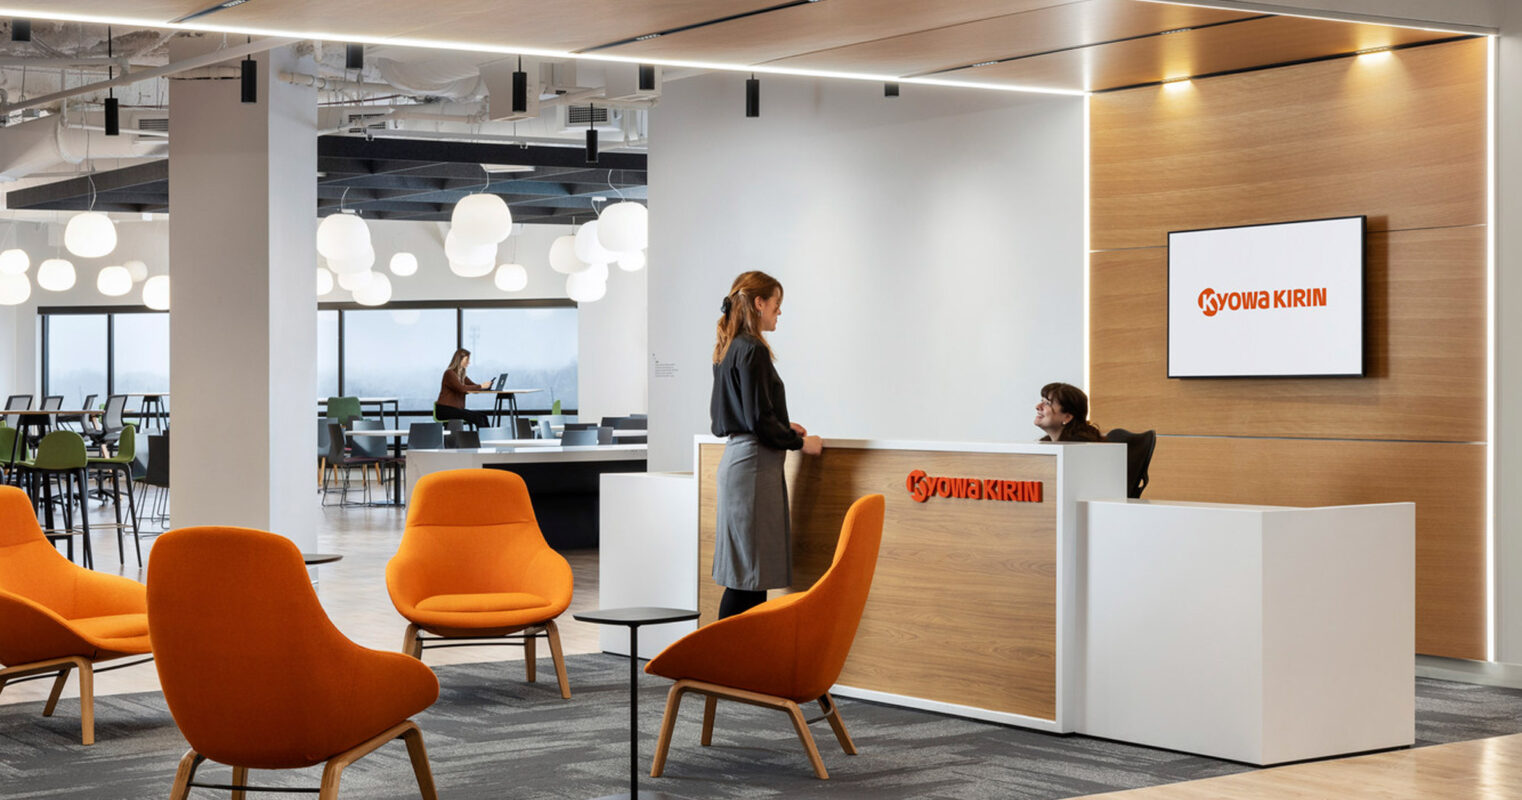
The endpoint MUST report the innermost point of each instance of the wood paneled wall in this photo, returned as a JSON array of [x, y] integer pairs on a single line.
[[1399, 139]]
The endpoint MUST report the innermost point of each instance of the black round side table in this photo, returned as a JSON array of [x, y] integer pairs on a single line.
[[632, 618]]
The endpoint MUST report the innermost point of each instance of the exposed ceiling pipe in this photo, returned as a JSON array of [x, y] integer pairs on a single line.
[[101, 129], [322, 83], [483, 137], [121, 62], [196, 62]]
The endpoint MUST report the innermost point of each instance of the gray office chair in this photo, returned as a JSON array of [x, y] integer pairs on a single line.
[[580, 437], [493, 433], [462, 440], [425, 436]]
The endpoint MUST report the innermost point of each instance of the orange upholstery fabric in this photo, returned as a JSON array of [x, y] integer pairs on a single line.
[[254, 672], [52, 608], [794, 646], [472, 560]]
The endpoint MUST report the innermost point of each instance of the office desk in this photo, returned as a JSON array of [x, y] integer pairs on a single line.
[[507, 402], [562, 481], [973, 605]]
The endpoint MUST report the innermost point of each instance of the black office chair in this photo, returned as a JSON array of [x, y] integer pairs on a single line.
[[18, 402], [1139, 447], [630, 423], [610, 422], [425, 436], [524, 429]]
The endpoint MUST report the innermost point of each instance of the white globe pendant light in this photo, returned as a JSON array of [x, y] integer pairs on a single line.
[[481, 219], [624, 227], [90, 235], [324, 281], [361, 261], [15, 262], [55, 275], [342, 236], [351, 281], [587, 247], [596, 272], [375, 292], [631, 262], [14, 289], [581, 288], [462, 251], [563, 256], [403, 264], [113, 281], [156, 293], [511, 278], [137, 269]]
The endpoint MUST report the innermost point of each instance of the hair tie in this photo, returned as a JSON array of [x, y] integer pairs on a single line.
[[725, 306]]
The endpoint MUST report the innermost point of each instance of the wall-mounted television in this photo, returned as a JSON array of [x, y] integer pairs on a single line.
[[1277, 300]]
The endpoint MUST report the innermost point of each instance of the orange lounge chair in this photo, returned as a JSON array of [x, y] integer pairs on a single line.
[[256, 675], [56, 616], [473, 565], [786, 651]]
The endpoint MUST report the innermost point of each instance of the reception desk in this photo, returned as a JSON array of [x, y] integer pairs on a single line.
[[972, 609]]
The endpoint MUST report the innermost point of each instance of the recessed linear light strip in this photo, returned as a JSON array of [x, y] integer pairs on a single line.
[[1311, 60], [476, 47], [1085, 46], [693, 26], [212, 10], [1353, 19]]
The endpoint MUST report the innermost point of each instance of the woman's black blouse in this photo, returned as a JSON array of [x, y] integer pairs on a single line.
[[748, 396]]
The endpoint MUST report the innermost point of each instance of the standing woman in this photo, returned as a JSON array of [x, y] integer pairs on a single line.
[[451, 402], [753, 550]]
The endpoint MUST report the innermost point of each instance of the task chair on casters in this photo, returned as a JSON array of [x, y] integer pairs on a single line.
[[1139, 447], [786, 651], [56, 616], [473, 565], [255, 674]]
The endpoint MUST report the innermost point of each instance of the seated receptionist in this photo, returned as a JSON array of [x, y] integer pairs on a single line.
[[1063, 414]]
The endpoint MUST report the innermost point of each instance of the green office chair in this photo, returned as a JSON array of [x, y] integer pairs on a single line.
[[344, 409], [62, 455], [119, 466]]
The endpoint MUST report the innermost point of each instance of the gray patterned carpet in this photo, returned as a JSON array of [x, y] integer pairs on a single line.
[[492, 736]]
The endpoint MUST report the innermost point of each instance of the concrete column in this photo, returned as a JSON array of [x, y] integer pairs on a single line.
[[243, 330]]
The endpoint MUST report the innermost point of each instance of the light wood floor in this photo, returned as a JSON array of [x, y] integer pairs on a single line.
[[353, 592]]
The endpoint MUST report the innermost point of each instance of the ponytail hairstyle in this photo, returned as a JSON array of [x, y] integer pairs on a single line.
[[738, 310], [1071, 400], [457, 363]]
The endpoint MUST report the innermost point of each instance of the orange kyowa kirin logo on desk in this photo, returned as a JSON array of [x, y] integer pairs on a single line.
[[1212, 302], [922, 487]]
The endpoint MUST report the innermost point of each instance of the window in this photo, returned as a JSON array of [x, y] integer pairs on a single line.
[[398, 353], [535, 346], [327, 353], [75, 362], [141, 353]]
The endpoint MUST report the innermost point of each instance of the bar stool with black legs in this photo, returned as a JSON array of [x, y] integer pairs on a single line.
[[61, 456], [119, 466]]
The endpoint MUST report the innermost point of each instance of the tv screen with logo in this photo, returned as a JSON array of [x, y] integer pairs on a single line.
[[1278, 300]]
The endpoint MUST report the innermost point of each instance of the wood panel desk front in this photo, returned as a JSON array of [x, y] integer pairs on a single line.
[[972, 609]]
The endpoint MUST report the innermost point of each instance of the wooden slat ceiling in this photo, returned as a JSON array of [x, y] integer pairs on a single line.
[[1073, 45]]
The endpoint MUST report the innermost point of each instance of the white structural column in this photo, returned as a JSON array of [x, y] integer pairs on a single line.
[[243, 329]]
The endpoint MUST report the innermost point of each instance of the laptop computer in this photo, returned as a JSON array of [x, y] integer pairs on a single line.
[[500, 383]]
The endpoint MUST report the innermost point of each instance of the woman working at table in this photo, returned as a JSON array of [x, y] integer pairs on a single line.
[[451, 402]]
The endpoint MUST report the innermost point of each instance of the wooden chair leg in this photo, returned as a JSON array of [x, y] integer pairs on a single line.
[[530, 644], [86, 701], [185, 774], [710, 706], [559, 658], [419, 756], [240, 778], [668, 724], [411, 644], [832, 713], [63, 677], [801, 725], [333, 770]]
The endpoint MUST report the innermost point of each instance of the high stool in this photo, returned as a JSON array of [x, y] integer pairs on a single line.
[[120, 465], [152, 412], [62, 455]]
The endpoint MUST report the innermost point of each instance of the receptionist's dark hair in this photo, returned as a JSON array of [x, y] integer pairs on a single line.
[[1071, 400]]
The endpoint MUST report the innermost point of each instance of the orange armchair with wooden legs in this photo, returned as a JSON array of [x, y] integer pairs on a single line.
[[56, 616], [786, 651], [473, 565], [254, 672]]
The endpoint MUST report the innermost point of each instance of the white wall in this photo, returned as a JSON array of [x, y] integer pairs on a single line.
[[931, 247], [611, 331]]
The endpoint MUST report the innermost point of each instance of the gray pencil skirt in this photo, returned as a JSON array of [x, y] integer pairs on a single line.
[[753, 549]]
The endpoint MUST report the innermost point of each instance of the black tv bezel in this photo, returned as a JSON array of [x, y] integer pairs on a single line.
[[1363, 301]]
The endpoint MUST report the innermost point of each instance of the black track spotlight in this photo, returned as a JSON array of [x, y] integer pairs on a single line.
[[21, 30], [647, 77], [354, 56], [249, 78], [752, 97], [113, 117], [520, 89], [890, 90], [591, 135]]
